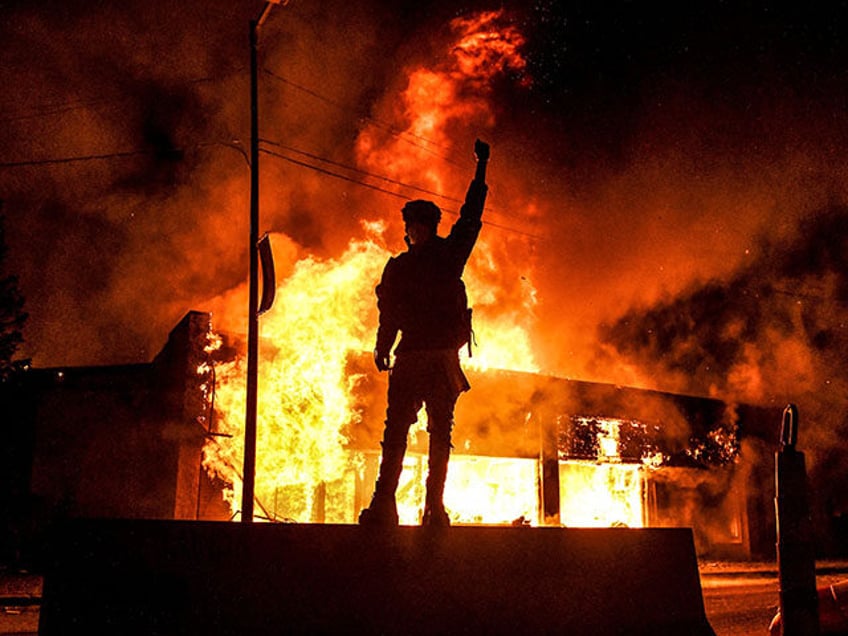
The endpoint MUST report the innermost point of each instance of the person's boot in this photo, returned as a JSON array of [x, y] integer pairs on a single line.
[[381, 512], [435, 514], [383, 509]]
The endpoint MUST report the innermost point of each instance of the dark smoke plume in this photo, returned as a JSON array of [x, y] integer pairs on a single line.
[[793, 294], [772, 333]]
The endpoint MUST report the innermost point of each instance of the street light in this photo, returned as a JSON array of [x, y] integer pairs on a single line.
[[253, 294]]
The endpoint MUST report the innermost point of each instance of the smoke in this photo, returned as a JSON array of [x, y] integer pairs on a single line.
[[103, 242], [773, 332], [636, 159], [684, 210], [111, 251], [667, 190]]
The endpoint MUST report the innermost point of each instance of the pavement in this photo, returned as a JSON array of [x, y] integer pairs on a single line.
[[764, 569]]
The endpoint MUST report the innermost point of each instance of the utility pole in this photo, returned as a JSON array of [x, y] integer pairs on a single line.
[[249, 475]]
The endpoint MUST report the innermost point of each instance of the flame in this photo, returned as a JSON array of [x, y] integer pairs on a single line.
[[438, 100], [504, 342], [478, 490], [486, 46], [305, 468], [325, 310], [603, 490], [600, 495]]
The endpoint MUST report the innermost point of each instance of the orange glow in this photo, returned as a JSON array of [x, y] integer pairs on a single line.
[[479, 490], [598, 495], [486, 47], [325, 310], [437, 99], [306, 470], [492, 490], [604, 491]]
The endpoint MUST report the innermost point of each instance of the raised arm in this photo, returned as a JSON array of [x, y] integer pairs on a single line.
[[464, 232], [481, 151], [475, 198]]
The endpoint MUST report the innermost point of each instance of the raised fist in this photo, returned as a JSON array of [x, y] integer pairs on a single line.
[[481, 150]]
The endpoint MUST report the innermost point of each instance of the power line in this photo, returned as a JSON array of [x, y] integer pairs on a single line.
[[58, 108], [111, 155], [48, 110], [403, 135], [61, 160], [333, 174], [360, 171], [389, 192], [133, 153], [384, 178], [346, 107]]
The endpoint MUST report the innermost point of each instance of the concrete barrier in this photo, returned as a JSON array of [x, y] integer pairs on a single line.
[[165, 577]]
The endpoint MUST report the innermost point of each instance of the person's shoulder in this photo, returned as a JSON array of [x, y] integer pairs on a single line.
[[397, 258], [396, 261]]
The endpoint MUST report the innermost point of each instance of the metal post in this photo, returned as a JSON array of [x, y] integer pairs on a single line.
[[795, 553], [253, 294]]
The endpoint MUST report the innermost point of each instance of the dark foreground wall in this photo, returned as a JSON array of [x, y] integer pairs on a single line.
[[111, 441], [158, 577]]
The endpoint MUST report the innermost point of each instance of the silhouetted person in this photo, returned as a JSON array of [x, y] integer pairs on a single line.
[[422, 296]]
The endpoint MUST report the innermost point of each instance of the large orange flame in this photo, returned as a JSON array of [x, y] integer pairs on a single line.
[[305, 469], [325, 310]]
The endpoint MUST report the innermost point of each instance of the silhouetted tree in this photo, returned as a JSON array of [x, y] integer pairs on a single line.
[[12, 315]]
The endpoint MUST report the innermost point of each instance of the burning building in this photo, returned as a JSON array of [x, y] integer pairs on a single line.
[[530, 449], [535, 450], [624, 243]]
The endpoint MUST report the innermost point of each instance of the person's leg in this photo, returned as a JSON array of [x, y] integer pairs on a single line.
[[439, 425], [401, 413], [437, 470]]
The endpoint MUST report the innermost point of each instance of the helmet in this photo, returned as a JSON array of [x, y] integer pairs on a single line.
[[421, 211]]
